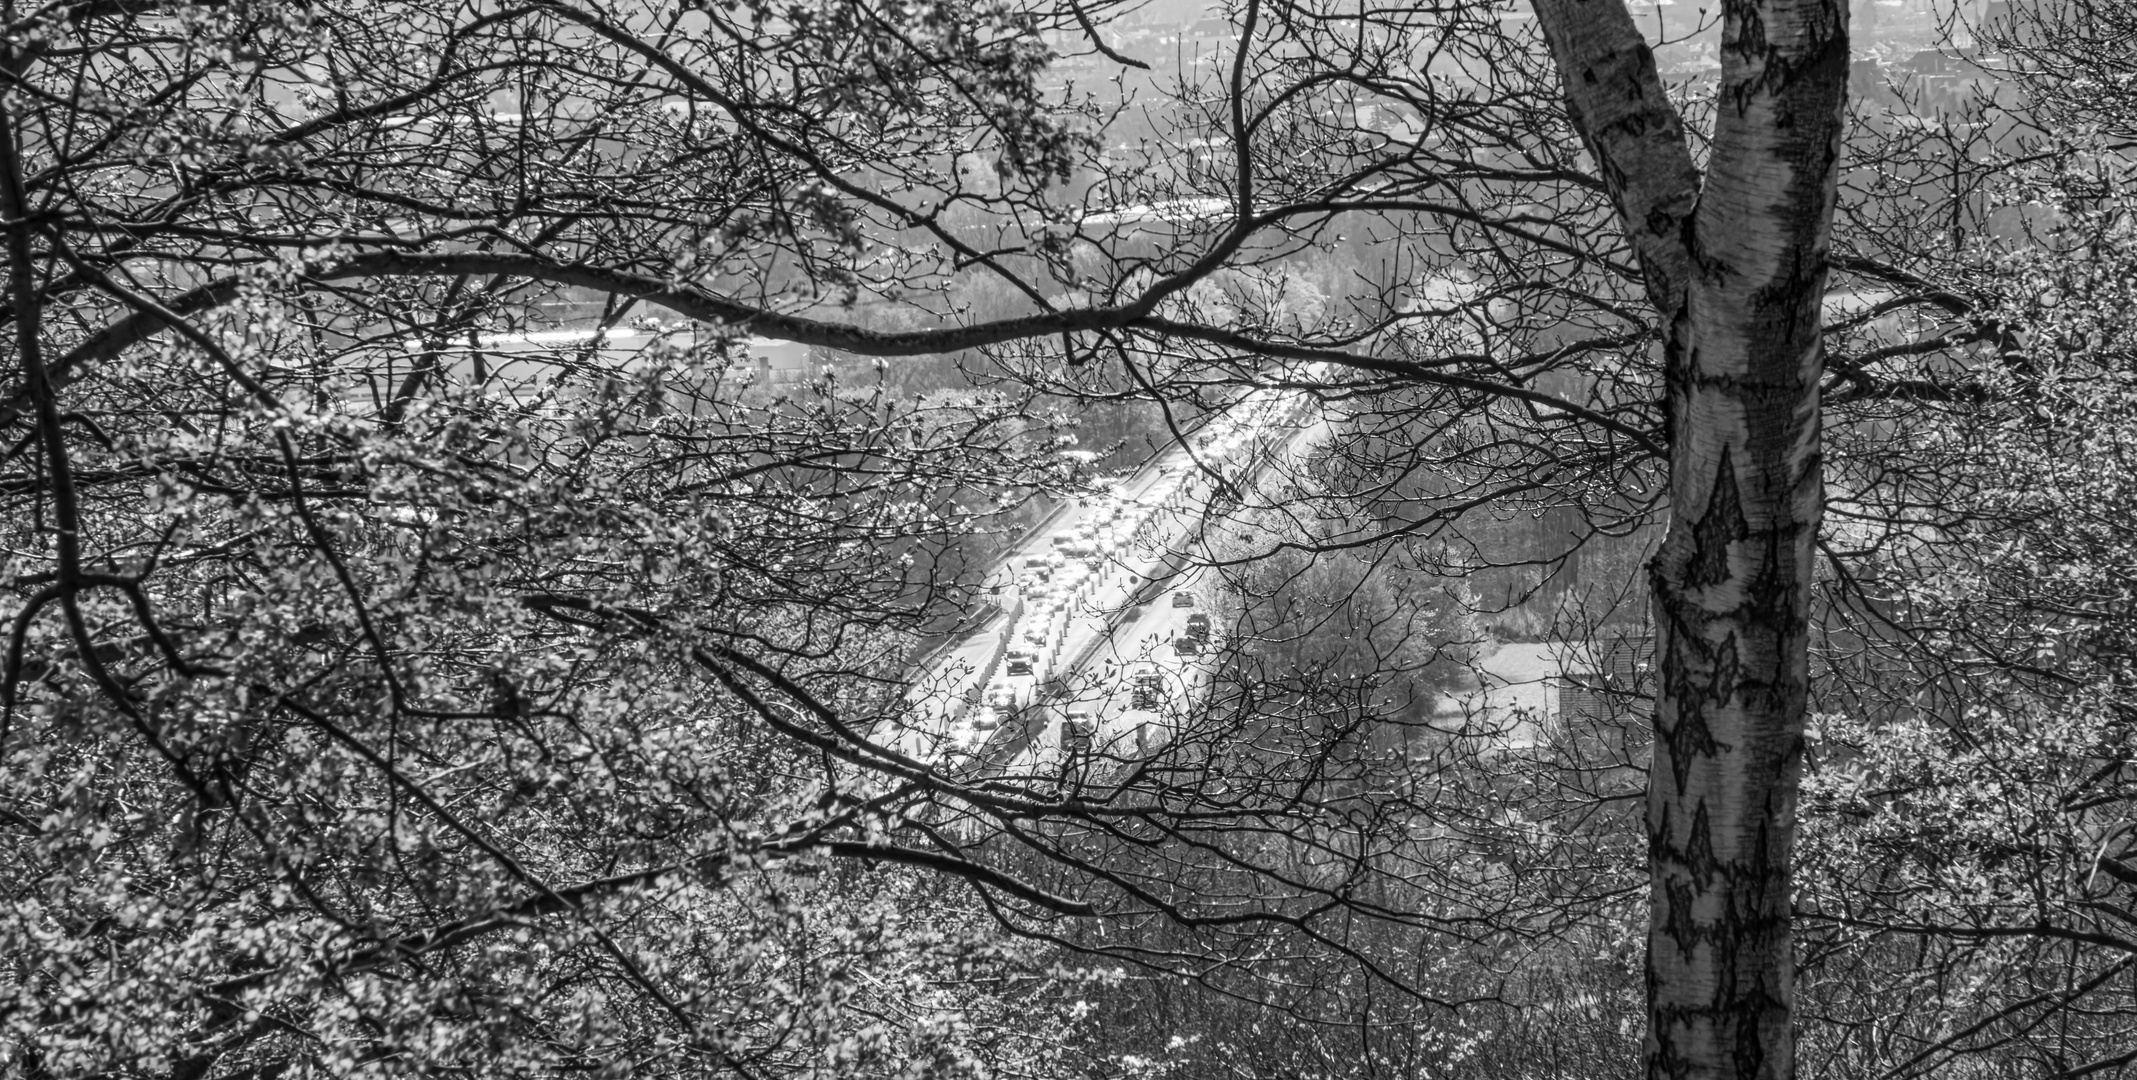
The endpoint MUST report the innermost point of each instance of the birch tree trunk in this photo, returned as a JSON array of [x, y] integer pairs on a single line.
[[1735, 265]]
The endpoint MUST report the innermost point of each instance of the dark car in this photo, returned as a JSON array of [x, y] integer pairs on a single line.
[[1020, 663], [1198, 626], [1149, 692], [1187, 646], [1077, 732], [1181, 599]]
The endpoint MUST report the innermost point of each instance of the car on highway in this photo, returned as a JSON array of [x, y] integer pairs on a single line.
[[999, 708], [1187, 646], [1077, 731], [1183, 599], [1019, 663], [1198, 626]]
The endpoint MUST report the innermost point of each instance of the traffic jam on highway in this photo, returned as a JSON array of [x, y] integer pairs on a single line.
[[1087, 658]]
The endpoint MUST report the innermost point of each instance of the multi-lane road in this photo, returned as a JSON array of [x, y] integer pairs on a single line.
[[1100, 637], [1103, 637]]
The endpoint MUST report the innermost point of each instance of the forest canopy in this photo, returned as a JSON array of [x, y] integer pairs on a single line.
[[442, 639]]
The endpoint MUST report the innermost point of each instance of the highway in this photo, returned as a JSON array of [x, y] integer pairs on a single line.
[[1102, 629], [1103, 638]]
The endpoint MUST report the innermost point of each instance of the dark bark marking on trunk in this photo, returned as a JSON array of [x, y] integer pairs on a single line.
[[1750, 1052], [1677, 921], [1698, 854], [1697, 676], [1802, 86], [1749, 41], [1665, 1061], [1719, 527], [1754, 908]]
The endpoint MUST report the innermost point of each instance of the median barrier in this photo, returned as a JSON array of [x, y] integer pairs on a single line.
[[964, 701]]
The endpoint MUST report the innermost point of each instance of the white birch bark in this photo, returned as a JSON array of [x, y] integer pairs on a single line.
[[1732, 583]]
